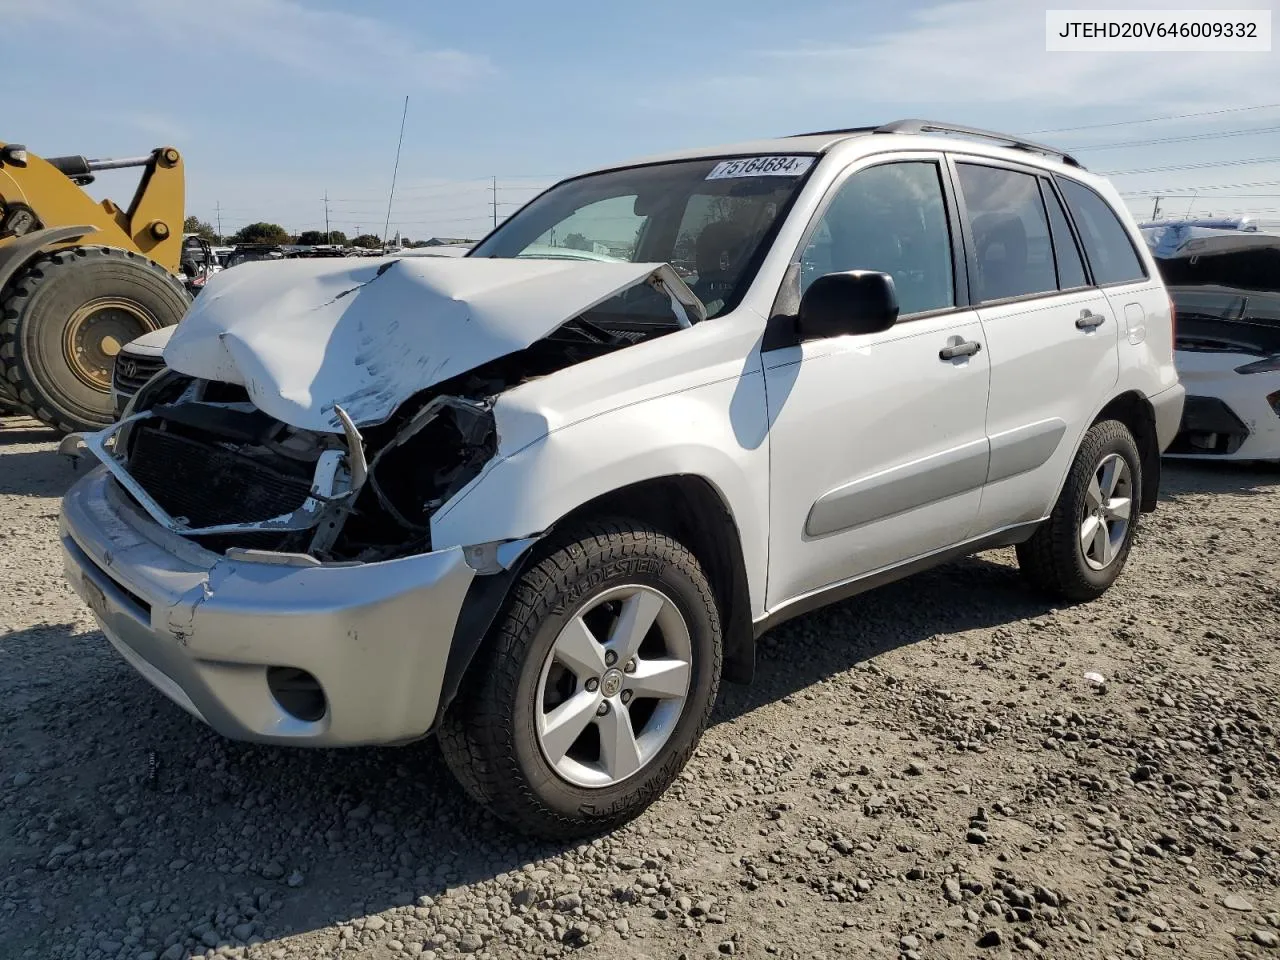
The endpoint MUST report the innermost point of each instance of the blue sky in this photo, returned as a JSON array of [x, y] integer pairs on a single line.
[[273, 102]]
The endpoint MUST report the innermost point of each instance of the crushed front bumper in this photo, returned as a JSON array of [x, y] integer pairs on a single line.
[[205, 629]]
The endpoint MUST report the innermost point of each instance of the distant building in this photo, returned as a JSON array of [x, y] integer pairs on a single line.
[[444, 242]]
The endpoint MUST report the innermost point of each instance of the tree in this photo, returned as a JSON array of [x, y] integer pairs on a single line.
[[197, 226], [316, 238], [576, 241], [368, 241], [262, 233]]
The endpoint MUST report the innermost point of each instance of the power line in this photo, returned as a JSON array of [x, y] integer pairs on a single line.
[[1190, 166], [1180, 116], [1216, 196], [1202, 188], [1252, 131]]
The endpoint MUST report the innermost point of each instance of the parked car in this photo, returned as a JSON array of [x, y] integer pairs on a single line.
[[541, 507], [437, 250], [252, 252], [198, 262], [1225, 286]]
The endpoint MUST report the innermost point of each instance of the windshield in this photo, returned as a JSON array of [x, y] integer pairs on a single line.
[[711, 219]]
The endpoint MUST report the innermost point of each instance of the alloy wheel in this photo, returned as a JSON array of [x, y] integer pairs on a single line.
[[1108, 504], [613, 686]]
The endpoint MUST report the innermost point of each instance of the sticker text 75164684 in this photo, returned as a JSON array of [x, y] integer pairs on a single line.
[[775, 166]]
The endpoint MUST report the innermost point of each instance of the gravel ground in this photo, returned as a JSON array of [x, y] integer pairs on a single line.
[[925, 771]]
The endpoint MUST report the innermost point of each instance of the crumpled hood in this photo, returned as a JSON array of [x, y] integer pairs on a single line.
[[304, 335]]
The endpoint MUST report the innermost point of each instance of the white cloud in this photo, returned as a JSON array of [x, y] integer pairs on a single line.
[[333, 46], [978, 52]]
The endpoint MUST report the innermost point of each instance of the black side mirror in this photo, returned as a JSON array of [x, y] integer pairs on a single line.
[[855, 301], [13, 154]]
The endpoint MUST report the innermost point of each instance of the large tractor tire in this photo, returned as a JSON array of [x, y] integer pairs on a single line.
[[9, 405], [64, 318]]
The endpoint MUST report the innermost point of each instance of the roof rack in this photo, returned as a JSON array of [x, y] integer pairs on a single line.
[[931, 126]]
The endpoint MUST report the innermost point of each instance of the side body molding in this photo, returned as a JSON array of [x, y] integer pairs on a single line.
[[1024, 448], [899, 489], [934, 478]]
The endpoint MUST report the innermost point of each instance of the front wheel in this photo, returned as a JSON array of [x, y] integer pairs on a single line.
[[594, 687], [1080, 550]]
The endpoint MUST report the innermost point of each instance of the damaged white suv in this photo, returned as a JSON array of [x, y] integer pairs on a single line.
[[541, 498]]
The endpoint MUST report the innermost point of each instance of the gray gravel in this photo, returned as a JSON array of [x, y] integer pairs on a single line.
[[921, 772]]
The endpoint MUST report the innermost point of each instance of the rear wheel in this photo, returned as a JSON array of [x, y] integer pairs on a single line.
[[1080, 550], [594, 687], [64, 319]]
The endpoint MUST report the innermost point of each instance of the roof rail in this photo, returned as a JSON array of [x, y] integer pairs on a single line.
[[1008, 140], [931, 126]]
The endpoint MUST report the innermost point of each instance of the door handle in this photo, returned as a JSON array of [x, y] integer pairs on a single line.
[[966, 348], [1090, 321]]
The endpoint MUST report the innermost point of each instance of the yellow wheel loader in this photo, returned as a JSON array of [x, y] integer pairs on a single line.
[[80, 279]]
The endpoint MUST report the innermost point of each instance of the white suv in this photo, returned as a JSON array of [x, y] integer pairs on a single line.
[[542, 505]]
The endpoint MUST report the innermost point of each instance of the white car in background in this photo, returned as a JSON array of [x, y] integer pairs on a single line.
[[1225, 285]]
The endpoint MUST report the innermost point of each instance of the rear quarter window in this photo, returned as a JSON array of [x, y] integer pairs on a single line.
[[1107, 244]]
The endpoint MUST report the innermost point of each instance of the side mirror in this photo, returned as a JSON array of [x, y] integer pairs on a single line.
[[855, 301], [13, 154]]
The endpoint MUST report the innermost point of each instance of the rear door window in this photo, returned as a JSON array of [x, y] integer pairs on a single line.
[[1106, 242], [1065, 252], [1012, 250]]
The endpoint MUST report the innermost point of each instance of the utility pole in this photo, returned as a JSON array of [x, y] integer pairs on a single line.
[[495, 202], [218, 209], [1155, 211], [328, 238]]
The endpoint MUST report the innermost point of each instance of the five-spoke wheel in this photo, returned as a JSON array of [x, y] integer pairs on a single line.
[[594, 685], [1078, 552], [1107, 507], [613, 686]]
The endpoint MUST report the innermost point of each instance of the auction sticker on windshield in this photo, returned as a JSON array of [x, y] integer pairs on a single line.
[[760, 167]]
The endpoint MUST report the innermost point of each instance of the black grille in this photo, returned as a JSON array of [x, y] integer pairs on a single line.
[[209, 484], [130, 372], [1208, 426]]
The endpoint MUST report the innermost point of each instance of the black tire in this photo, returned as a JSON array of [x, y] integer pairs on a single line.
[[1053, 560], [488, 733], [37, 308]]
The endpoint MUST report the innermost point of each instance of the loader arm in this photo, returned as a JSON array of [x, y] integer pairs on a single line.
[[152, 224]]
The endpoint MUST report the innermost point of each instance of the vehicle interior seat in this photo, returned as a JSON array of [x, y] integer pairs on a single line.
[[1001, 240]]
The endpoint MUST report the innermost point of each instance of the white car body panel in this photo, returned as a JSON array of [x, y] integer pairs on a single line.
[[1048, 379], [1213, 374], [878, 451], [150, 344], [686, 403], [366, 336]]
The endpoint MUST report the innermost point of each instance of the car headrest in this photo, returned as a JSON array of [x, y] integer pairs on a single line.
[[719, 248]]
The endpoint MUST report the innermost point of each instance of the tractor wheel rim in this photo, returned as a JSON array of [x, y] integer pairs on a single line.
[[96, 332]]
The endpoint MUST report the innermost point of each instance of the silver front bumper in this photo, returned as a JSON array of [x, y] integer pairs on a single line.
[[204, 628]]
